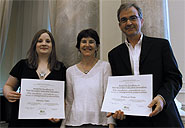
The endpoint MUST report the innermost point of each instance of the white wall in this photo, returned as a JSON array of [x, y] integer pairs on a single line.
[[110, 34], [177, 37], [177, 31]]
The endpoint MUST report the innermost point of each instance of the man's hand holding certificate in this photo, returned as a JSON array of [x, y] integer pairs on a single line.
[[130, 94], [41, 99]]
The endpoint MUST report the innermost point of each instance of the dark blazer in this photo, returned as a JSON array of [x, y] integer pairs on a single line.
[[156, 58]]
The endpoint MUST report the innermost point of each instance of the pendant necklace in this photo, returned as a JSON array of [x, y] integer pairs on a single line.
[[84, 70], [87, 70], [42, 71], [42, 74]]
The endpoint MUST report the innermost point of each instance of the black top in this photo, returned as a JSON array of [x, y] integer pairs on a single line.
[[20, 71]]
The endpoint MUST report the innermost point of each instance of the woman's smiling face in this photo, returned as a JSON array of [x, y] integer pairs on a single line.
[[44, 44], [88, 46]]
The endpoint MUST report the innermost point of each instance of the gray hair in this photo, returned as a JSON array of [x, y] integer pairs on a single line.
[[127, 6]]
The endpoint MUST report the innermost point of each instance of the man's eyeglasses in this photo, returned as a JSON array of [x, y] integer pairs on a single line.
[[131, 18]]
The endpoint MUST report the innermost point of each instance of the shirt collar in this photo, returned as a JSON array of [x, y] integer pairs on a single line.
[[139, 42]]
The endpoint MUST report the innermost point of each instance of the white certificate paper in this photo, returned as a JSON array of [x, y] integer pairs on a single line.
[[41, 99], [131, 94]]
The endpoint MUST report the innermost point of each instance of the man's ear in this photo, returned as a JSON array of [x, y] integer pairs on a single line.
[[119, 25], [142, 21]]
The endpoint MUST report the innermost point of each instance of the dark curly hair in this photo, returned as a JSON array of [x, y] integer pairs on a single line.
[[87, 33]]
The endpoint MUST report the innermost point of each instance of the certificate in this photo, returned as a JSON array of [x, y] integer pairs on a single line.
[[130, 94], [41, 99]]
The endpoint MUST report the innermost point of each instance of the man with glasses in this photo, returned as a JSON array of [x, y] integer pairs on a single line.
[[139, 55]]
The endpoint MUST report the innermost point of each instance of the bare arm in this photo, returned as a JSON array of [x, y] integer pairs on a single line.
[[8, 89]]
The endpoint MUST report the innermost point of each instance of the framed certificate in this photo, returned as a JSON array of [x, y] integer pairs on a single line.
[[131, 94], [41, 99]]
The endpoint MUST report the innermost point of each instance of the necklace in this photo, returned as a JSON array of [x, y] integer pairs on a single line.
[[42, 70], [87, 70], [42, 74]]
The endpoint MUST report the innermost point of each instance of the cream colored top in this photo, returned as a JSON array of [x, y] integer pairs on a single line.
[[84, 95]]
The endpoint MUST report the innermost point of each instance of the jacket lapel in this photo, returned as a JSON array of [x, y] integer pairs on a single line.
[[145, 48], [124, 55]]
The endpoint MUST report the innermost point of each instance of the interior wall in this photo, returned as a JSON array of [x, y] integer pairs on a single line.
[[110, 34], [177, 31]]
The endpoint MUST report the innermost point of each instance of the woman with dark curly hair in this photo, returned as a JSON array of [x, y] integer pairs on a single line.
[[86, 85]]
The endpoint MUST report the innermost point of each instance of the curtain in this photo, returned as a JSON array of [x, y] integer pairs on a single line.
[[5, 13], [68, 18], [27, 17]]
